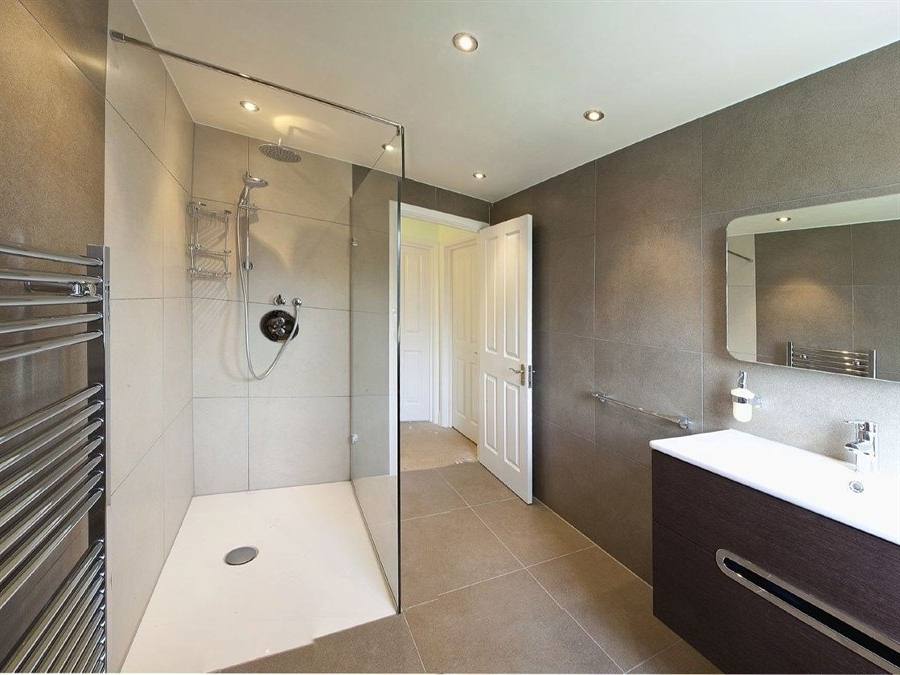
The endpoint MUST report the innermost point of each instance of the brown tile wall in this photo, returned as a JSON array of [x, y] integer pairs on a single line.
[[629, 289]]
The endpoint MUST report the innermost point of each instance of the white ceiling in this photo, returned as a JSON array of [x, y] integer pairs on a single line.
[[513, 108]]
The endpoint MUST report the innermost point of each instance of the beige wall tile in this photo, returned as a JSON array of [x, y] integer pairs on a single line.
[[136, 383], [218, 350], [220, 445], [298, 441], [315, 363], [220, 161], [136, 78], [300, 257], [177, 367], [135, 536], [178, 442], [316, 187], [177, 151], [176, 237], [134, 229]]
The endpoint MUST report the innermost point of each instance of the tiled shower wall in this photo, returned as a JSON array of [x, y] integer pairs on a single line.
[[149, 141], [291, 428], [629, 289]]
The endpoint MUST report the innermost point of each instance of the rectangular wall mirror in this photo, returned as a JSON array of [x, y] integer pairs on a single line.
[[818, 288]]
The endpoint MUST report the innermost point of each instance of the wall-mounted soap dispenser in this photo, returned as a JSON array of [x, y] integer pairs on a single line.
[[743, 401]]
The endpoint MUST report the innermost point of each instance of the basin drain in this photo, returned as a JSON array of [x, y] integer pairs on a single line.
[[241, 555]]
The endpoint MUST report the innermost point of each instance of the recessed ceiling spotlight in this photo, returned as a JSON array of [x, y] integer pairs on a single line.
[[387, 147], [249, 106], [465, 42], [479, 175], [593, 115], [783, 219]]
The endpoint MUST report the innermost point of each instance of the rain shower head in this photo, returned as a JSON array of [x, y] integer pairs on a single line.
[[280, 152]]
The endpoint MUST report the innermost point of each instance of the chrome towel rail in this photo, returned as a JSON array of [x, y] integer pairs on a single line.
[[77, 421], [53, 476], [7, 248], [47, 277], [861, 364], [81, 595], [38, 417], [19, 325], [32, 300], [681, 420], [38, 346]]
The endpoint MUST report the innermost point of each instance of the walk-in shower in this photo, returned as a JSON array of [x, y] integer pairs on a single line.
[[293, 410]]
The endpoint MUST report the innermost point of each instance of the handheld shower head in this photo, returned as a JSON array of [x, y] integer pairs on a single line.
[[251, 182]]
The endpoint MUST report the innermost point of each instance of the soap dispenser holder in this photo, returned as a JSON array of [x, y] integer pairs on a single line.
[[743, 401]]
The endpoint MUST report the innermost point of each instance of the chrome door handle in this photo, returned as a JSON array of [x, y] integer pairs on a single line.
[[521, 372]]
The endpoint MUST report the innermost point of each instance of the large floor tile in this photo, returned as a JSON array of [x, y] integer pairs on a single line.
[[475, 484], [679, 658], [424, 445], [424, 493], [383, 646], [448, 551], [506, 625], [612, 604], [532, 532]]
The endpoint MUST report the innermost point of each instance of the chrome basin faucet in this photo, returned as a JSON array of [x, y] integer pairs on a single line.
[[863, 446]]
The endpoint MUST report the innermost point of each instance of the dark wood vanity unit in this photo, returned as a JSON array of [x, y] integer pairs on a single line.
[[836, 576]]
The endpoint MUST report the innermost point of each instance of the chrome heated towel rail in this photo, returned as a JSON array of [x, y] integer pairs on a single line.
[[53, 473]]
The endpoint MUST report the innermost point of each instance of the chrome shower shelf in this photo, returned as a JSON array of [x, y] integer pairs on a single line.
[[200, 273], [211, 226], [200, 250]]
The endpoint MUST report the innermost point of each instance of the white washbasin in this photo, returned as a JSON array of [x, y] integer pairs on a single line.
[[810, 480]]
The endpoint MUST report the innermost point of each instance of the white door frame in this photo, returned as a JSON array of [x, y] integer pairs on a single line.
[[441, 386]]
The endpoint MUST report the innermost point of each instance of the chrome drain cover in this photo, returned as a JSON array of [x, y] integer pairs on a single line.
[[857, 486], [241, 555]]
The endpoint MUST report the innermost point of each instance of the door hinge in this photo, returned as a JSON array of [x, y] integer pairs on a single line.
[[530, 377]]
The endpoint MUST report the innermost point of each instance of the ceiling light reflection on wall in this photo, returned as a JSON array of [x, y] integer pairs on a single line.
[[783, 219], [479, 175], [249, 106], [593, 115], [387, 147], [465, 42]]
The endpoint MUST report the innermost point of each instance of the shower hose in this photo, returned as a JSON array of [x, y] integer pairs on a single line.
[[244, 269]]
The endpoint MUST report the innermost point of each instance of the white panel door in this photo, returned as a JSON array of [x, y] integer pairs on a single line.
[[463, 263], [505, 373], [415, 333]]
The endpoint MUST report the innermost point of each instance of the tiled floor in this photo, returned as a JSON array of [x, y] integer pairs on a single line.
[[493, 585], [424, 445]]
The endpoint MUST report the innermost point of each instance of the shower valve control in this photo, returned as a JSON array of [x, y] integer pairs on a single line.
[[277, 325]]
